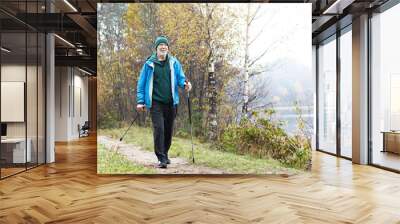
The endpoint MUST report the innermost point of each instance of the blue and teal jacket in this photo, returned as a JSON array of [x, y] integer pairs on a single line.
[[145, 82]]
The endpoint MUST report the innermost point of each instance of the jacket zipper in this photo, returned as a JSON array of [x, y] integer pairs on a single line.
[[171, 65], [151, 84]]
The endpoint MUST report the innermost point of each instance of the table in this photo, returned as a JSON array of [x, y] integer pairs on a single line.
[[13, 150]]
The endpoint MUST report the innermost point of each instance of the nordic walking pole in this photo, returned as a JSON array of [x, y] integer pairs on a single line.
[[116, 145], [133, 121], [190, 122]]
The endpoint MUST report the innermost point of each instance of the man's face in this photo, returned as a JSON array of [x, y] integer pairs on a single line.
[[162, 49]]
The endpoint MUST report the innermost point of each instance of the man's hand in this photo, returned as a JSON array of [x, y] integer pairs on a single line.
[[141, 108], [188, 86]]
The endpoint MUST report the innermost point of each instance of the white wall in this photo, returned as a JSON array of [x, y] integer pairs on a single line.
[[13, 72], [62, 80], [81, 89], [71, 87]]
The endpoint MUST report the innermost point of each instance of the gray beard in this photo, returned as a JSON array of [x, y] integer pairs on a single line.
[[163, 54]]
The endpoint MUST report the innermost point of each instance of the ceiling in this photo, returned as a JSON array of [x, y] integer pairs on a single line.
[[328, 16], [74, 22]]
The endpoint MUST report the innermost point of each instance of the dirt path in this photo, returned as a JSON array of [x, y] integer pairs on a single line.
[[148, 159]]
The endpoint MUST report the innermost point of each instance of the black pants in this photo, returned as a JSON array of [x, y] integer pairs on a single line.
[[162, 116]]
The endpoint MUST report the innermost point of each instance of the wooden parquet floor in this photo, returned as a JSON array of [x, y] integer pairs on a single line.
[[70, 191]]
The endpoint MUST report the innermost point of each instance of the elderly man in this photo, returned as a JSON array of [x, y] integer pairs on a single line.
[[157, 90]]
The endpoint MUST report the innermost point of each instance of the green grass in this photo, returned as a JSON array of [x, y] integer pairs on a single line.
[[204, 155], [114, 163]]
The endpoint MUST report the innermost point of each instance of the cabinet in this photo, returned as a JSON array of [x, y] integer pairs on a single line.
[[391, 141]]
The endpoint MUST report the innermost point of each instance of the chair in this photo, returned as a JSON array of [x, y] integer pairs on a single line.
[[84, 130]]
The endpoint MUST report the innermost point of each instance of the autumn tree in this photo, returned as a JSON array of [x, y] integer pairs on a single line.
[[111, 75]]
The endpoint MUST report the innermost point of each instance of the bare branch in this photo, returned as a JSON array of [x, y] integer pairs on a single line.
[[256, 37], [259, 57], [252, 98], [264, 69], [254, 15], [264, 52]]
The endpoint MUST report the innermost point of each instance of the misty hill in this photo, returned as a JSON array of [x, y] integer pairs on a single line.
[[288, 82]]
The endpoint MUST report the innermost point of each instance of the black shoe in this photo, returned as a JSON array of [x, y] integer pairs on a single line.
[[162, 165], [168, 161]]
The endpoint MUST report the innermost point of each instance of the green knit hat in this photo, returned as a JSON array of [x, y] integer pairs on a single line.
[[161, 39]]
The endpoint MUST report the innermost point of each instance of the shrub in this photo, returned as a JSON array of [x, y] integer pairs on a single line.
[[182, 133], [264, 138], [108, 119]]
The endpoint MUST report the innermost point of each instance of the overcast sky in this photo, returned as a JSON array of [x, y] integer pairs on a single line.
[[288, 23]]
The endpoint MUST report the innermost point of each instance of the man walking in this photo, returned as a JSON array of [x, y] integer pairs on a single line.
[[157, 90]]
